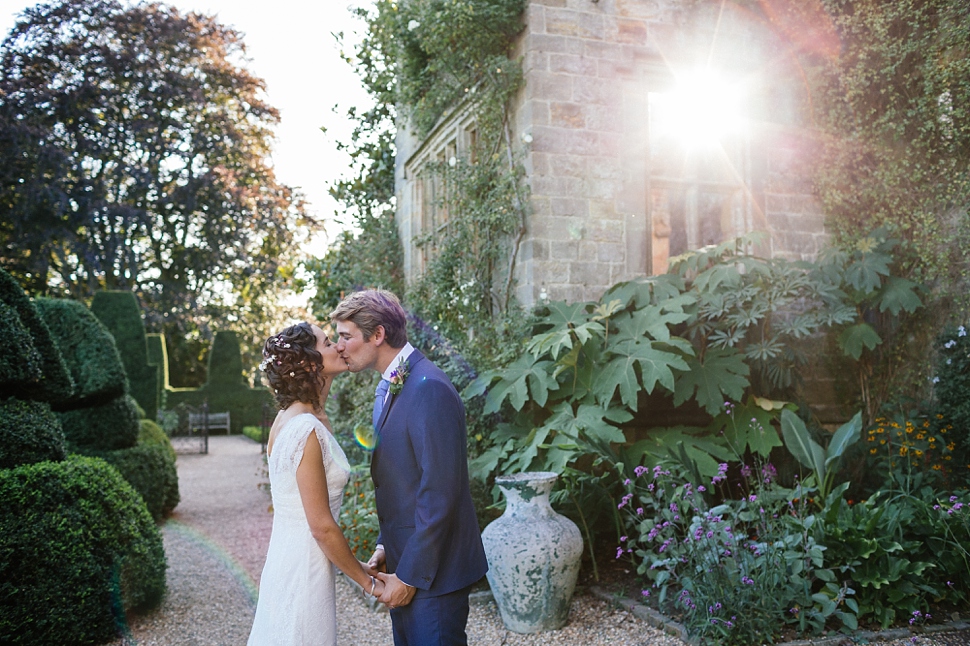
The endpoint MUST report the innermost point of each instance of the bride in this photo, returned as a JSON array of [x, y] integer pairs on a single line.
[[307, 472]]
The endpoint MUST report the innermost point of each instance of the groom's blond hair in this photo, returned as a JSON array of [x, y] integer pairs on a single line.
[[370, 308]]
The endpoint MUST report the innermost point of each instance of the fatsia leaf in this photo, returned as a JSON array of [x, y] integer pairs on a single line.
[[705, 450], [864, 273], [899, 294], [722, 375], [515, 382], [749, 426], [855, 337]]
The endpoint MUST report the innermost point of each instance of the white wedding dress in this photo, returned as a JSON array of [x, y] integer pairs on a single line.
[[297, 605]]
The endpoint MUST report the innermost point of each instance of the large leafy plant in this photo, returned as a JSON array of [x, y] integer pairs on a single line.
[[722, 327]]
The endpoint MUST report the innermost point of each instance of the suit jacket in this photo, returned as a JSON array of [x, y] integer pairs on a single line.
[[420, 469]]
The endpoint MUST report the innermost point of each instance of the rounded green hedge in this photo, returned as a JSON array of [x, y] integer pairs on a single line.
[[20, 362], [107, 427], [88, 349], [150, 469], [77, 550], [55, 381], [29, 433]]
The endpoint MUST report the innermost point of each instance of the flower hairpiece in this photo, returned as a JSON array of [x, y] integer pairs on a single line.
[[398, 375]]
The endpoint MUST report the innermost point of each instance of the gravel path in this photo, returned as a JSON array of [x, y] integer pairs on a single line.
[[216, 543]]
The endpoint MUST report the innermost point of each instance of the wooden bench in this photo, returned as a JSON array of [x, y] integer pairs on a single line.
[[216, 421]]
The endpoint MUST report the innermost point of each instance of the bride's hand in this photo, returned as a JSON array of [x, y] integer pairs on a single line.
[[379, 588]]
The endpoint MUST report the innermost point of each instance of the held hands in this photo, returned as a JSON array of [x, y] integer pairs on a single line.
[[396, 593], [376, 587], [376, 563]]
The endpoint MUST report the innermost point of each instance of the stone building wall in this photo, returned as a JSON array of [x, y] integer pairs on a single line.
[[598, 216]]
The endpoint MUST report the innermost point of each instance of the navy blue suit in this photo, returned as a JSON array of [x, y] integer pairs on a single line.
[[428, 525]]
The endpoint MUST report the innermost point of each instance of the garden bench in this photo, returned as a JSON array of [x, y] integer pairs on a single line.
[[215, 421]]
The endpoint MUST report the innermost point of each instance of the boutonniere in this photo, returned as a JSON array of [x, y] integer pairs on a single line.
[[398, 375]]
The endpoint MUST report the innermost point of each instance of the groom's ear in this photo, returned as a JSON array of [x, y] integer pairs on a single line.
[[379, 336]]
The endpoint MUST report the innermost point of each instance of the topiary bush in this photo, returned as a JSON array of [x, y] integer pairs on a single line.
[[120, 313], [77, 550], [107, 427], [54, 382], [20, 362], [89, 352], [149, 467], [29, 432], [226, 388], [225, 361]]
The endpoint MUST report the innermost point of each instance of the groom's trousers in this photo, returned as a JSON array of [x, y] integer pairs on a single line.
[[432, 621]]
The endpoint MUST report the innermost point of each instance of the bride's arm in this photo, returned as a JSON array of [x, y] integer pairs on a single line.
[[311, 478]]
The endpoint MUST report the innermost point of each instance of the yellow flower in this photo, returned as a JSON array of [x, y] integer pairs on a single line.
[[903, 450], [951, 446], [937, 467], [918, 453], [873, 450], [882, 441]]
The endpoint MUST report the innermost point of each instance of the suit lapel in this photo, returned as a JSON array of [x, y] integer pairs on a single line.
[[413, 359]]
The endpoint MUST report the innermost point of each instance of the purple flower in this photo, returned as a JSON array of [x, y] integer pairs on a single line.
[[639, 511], [640, 470], [701, 488], [645, 593], [745, 471], [619, 552], [627, 482], [622, 539], [747, 580], [752, 498]]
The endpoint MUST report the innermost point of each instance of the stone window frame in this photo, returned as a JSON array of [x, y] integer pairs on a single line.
[[455, 137], [737, 209]]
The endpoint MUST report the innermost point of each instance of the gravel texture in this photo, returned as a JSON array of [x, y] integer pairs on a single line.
[[216, 542]]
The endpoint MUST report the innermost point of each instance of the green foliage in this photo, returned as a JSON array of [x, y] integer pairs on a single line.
[[425, 58], [104, 427], [20, 363], [53, 383], [741, 569], [88, 349], [120, 313], [150, 469], [29, 433], [77, 550], [225, 360], [137, 157], [895, 152], [823, 463], [158, 357], [256, 433], [894, 548], [226, 389], [952, 387], [358, 513]]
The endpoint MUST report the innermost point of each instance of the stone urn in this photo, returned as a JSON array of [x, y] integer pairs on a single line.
[[533, 555]]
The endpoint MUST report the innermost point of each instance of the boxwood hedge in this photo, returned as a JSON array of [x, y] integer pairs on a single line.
[[29, 432], [106, 427], [77, 549], [120, 313], [89, 351], [55, 381], [20, 362]]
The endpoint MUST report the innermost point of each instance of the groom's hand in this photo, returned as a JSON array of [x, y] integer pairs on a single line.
[[396, 592], [377, 562]]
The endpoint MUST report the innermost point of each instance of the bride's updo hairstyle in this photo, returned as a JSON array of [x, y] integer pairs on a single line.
[[292, 366]]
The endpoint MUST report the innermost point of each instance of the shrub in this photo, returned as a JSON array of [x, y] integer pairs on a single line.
[[20, 362], [255, 433], [741, 569], [225, 361], [89, 352], [158, 357], [29, 433], [55, 380], [152, 434], [107, 427], [77, 549], [120, 313], [952, 386], [150, 469], [358, 513]]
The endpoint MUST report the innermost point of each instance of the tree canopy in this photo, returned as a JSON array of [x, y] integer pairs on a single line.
[[136, 155]]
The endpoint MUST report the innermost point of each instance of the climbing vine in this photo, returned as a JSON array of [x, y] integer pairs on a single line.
[[420, 60]]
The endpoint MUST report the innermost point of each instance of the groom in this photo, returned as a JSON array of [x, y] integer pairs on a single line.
[[429, 541]]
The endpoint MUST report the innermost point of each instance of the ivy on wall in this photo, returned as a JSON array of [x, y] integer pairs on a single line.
[[418, 60]]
